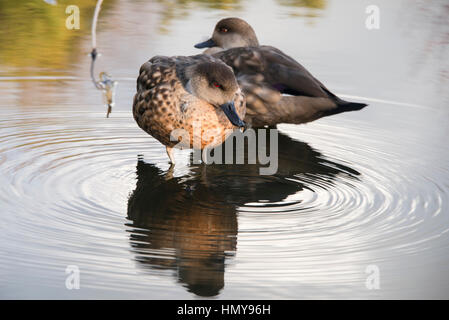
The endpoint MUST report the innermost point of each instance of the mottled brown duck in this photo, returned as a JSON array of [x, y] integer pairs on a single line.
[[278, 89], [188, 102]]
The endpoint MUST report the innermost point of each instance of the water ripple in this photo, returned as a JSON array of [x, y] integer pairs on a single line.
[[73, 191]]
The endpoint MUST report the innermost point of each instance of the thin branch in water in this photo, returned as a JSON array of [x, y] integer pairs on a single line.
[[105, 84], [94, 23], [94, 52]]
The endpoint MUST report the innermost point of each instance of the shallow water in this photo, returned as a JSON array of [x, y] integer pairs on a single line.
[[353, 192]]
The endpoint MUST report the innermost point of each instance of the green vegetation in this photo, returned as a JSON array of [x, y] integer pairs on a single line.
[[33, 33]]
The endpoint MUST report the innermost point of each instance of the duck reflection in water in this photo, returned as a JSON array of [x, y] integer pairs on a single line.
[[189, 224]]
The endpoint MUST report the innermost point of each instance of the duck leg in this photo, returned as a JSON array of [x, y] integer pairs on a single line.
[[170, 154], [170, 171]]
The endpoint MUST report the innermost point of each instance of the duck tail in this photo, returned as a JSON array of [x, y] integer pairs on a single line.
[[345, 106], [342, 105]]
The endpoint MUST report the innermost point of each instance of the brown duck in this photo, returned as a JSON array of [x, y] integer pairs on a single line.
[[198, 96], [265, 74]]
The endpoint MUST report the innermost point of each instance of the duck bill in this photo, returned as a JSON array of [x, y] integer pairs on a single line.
[[229, 110], [206, 44]]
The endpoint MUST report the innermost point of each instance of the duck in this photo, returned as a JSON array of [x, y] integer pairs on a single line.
[[188, 101], [278, 89]]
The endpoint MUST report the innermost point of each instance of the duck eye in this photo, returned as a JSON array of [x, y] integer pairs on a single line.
[[223, 30], [215, 84]]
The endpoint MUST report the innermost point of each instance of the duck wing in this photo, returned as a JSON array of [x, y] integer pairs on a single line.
[[265, 73], [279, 70]]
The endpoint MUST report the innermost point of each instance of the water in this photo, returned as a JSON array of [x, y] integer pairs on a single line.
[[353, 192]]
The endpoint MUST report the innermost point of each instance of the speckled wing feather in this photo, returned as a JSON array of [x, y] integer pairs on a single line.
[[162, 104], [156, 96]]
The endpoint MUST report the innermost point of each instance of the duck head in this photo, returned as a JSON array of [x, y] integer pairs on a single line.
[[231, 33], [215, 83]]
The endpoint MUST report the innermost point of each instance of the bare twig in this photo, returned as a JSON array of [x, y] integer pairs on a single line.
[[94, 52], [106, 84]]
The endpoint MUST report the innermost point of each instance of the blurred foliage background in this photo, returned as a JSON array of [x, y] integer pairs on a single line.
[[33, 32], [34, 39]]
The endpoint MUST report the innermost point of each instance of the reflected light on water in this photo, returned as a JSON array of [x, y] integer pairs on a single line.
[[353, 190]]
